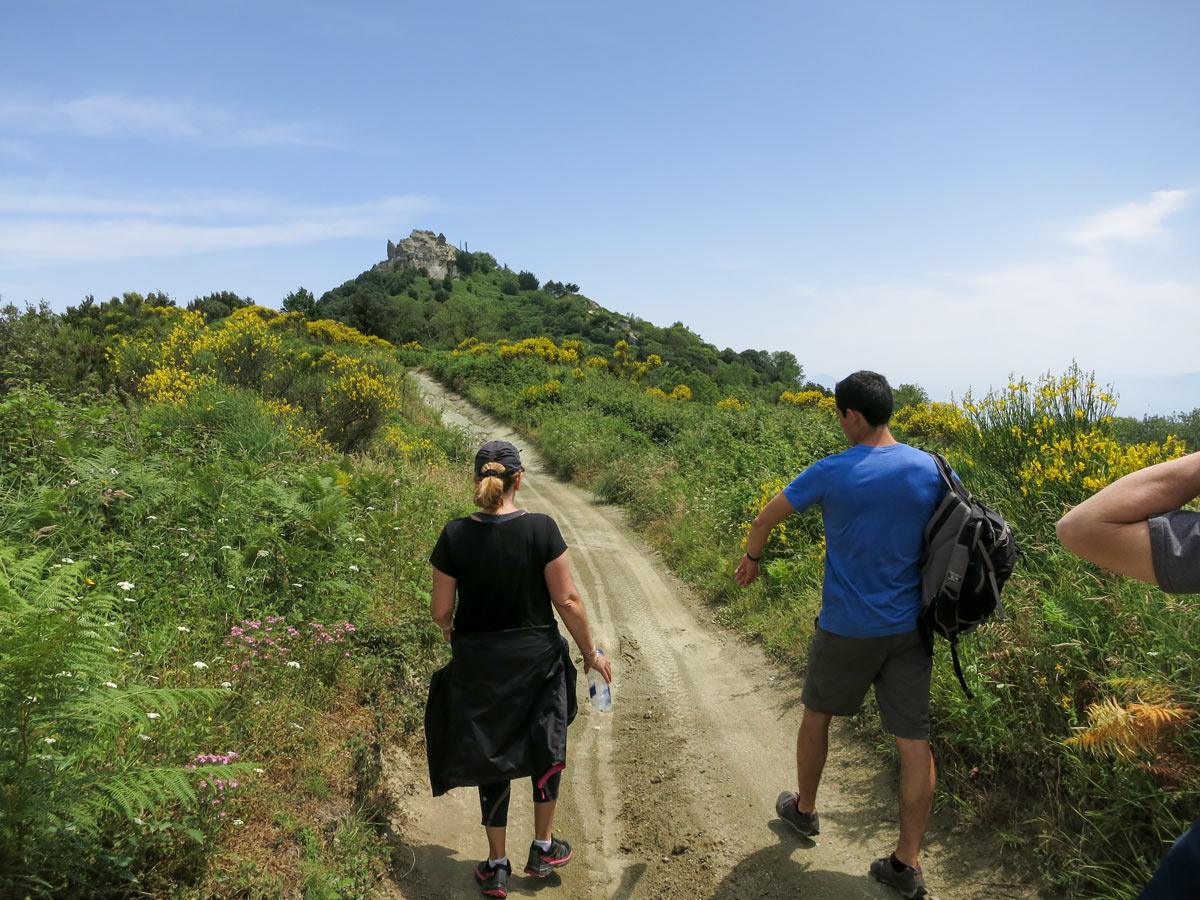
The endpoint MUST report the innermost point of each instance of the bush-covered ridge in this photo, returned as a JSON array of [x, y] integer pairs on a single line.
[[491, 303]]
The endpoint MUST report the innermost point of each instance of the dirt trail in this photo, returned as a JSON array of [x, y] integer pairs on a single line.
[[671, 794]]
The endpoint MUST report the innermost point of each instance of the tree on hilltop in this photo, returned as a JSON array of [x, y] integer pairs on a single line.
[[218, 305], [301, 300]]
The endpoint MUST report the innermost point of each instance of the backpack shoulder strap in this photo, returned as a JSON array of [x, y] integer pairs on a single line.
[[952, 481], [958, 668]]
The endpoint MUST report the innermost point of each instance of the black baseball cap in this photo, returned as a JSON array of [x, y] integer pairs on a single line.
[[498, 451]]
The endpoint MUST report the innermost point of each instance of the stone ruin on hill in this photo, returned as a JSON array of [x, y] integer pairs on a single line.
[[421, 250]]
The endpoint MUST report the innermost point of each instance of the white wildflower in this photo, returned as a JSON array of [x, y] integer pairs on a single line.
[[113, 472], [354, 568], [138, 821], [261, 771], [292, 664], [226, 684], [238, 822], [129, 600], [67, 560], [153, 716], [50, 740], [182, 628], [126, 585], [263, 553], [145, 737], [111, 684], [199, 665], [231, 587]]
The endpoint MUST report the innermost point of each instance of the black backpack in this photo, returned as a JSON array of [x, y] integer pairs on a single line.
[[969, 552]]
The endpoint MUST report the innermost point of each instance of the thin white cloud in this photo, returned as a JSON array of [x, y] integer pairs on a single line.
[[99, 229], [116, 115], [186, 205], [1029, 317], [1026, 318], [1131, 223]]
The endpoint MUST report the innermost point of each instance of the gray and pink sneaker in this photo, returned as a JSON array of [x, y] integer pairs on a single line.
[[493, 882], [543, 862]]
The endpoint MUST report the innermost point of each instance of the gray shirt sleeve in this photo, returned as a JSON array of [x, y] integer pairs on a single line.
[[1175, 551]]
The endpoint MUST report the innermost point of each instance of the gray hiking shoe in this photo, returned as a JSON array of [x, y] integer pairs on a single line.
[[807, 824], [909, 881]]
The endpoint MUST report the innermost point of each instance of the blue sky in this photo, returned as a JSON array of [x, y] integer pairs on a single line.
[[944, 192]]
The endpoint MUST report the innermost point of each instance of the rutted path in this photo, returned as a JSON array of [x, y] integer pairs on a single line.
[[671, 794]]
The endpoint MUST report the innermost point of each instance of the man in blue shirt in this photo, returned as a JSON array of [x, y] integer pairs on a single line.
[[875, 499]]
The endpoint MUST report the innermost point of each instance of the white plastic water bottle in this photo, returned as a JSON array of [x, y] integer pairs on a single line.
[[598, 689]]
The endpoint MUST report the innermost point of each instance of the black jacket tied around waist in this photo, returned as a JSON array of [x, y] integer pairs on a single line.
[[500, 709]]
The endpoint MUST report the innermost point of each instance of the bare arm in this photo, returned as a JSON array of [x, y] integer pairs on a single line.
[[776, 510], [441, 601], [1110, 527], [569, 604]]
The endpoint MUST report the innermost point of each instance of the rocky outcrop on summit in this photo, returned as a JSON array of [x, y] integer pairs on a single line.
[[421, 250]]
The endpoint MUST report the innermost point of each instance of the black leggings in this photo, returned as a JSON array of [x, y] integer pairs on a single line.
[[493, 798]]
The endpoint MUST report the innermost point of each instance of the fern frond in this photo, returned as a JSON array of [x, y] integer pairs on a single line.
[[1123, 731], [104, 706], [1144, 690], [146, 789]]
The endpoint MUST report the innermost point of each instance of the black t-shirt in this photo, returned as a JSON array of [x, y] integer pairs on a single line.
[[499, 564]]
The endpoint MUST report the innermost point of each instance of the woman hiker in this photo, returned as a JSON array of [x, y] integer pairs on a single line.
[[500, 709]]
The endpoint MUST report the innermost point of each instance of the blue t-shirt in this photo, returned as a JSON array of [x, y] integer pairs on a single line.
[[874, 502]]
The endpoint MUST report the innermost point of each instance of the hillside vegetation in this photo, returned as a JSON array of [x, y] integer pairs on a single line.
[[213, 599], [490, 303]]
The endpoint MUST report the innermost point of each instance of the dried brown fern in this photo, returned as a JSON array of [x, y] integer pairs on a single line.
[[1122, 730]]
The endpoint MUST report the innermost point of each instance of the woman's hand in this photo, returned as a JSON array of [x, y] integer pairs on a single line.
[[598, 661]]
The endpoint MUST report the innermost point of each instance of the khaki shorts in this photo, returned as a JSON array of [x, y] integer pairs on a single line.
[[840, 669]]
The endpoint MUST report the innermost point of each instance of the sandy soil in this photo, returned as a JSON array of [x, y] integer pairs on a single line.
[[671, 793]]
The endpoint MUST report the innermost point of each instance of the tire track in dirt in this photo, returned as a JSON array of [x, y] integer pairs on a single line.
[[671, 794]]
